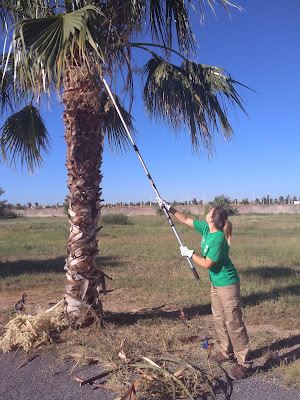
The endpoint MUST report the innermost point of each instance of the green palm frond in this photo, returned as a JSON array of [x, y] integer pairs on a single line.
[[12, 11], [167, 16], [6, 91], [192, 96], [24, 137], [11, 94], [114, 130], [43, 47]]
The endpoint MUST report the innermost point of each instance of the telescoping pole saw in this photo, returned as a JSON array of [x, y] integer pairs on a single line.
[[148, 175]]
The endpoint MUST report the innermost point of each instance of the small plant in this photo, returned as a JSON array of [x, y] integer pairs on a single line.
[[115, 219]]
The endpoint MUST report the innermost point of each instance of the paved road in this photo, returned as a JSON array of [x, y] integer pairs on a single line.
[[44, 378]]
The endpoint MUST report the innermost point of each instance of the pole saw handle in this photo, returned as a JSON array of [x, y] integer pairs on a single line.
[[147, 172], [193, 269], [179, 241]]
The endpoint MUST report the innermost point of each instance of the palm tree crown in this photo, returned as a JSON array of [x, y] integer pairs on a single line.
[[103, 35]]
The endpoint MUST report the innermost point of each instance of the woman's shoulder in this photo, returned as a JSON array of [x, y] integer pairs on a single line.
[[200, 226]]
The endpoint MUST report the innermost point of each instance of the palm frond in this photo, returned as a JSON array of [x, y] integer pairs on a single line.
[[43, 47], [169, 15], [113, 128], [6, 91], [11, 93], [24, 137], [12, 11], [224, 3], [193, 96]]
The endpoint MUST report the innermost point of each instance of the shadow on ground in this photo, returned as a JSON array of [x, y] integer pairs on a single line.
[[203, 309], [132, 318], [56, 265], [255, 298], [274, 360], [15, 268], [270, 271]]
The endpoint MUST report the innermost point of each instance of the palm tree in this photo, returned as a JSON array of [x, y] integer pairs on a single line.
[[66, 47]]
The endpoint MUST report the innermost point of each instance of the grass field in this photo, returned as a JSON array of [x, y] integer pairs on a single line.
[[151, 283]]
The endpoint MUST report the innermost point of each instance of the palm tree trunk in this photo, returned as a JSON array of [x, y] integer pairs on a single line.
[[84, 137]]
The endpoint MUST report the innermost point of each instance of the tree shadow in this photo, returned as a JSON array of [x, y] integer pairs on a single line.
[[111, 262], [269, 272], [255, 298], [128, 318], [274, 360], [278, 345], [56, 265], [19, 267]]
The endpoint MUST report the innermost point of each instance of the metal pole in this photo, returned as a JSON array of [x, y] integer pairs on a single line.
[[148, 175]]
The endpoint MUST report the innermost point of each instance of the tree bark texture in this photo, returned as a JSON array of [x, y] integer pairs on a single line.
[[84, 137]]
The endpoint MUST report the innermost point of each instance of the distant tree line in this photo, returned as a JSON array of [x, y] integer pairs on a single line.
[[19, 206], [269, 200], [6, 208], [221, 200], [264, 200]]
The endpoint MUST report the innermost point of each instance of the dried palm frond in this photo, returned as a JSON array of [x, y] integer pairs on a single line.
[[28, 331]]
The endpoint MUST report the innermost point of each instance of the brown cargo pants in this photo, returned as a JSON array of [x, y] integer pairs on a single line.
[[229, 325]]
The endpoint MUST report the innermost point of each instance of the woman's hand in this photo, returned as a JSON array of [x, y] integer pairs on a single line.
[[185, 252], [163, 204]]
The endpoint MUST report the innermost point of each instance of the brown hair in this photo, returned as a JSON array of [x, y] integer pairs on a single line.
[[221, 222]]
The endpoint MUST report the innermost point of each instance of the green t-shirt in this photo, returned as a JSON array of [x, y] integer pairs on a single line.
[[215, 246]]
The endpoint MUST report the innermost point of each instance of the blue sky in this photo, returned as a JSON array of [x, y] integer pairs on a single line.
[[258, 47]]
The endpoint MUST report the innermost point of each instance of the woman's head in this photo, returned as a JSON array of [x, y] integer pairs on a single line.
[[219, 218]]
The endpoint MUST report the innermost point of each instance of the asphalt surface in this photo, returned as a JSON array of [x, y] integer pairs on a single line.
[[46, 378]]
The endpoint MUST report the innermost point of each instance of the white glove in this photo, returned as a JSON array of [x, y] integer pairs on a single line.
[[185, 252], [163, 204]]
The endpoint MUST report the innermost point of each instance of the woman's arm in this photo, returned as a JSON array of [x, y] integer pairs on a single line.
[[206, 263], [181, 217]]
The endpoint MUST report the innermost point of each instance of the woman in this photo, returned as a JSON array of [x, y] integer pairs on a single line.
[[225, 286]]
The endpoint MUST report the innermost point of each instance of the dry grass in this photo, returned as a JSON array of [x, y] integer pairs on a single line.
[[151, 283]]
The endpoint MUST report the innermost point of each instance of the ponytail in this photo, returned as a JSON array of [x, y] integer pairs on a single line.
[[228, 231], [221, 222]]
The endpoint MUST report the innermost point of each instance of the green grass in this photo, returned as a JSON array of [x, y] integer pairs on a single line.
[[142, 257]]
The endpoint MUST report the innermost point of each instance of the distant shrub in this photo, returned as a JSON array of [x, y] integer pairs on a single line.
[[115, 219], [5, 209], [160, 211], [66, 208], [10, 214], [224, 202], [206, 209]]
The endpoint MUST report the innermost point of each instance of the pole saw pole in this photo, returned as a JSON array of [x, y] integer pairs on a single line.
[[148, 175]]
